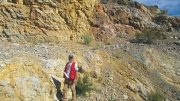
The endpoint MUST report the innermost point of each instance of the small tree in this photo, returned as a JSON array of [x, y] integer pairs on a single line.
[[84, 85], [87, 39], [148, 36], [157, 96], [164, 12]]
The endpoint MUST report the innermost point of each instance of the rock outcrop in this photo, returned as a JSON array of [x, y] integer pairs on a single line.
[[169, 23], [47, 20], [23, 79]]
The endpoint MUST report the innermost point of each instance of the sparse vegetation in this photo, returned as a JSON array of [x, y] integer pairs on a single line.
[[84, 85], [148, 36], [118, 54], [120, 35], [157, 96], [87, 39], [111, 99], [164, 12], [98, 45], [108, 41]]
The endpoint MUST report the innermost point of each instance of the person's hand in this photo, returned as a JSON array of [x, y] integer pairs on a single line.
[[75, 61], [77, 76]]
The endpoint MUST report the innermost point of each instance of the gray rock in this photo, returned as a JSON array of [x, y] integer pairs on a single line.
[[8, 33], [20, 16], [168, 22], [2, 65], [89, 56], [178, 72], [178, 95], [6, 13], [43, 1], [132, 87], [167, 100], [177, 43], [142, 90], [4, 87], [125, 97], [3, 82], [52, 63], [12, 13]]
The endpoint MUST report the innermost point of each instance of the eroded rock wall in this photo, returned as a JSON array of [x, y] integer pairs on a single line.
[[50, 20], [46, 20]]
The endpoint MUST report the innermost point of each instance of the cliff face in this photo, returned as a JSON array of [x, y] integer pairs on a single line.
[[45, 21], [128, 17]]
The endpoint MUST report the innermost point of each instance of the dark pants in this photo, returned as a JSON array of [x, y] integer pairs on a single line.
[[69, 84]]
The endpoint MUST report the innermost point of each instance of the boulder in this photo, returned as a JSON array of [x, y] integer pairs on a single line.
[[24, 80]]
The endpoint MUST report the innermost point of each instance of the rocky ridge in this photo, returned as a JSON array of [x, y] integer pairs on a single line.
[[44, 21]]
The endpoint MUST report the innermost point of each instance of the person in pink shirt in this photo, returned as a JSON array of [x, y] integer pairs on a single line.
[[70, 75]]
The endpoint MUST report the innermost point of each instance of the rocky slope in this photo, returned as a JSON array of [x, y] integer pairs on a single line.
[[118, 72], [37, 36]]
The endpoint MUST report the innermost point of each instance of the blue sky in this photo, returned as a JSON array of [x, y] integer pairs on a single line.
[[173, 6]]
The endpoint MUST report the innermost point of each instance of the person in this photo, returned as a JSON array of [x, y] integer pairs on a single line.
[[70, 78]]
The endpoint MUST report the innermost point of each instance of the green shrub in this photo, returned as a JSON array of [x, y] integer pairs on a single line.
[[120, 35], [84, 85], [118, 53], [148, 36], [98, 45], [87, 39], [157, 96], [111, 99], [164, 12]]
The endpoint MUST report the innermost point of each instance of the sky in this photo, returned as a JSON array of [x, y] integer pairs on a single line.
[[173, 6]]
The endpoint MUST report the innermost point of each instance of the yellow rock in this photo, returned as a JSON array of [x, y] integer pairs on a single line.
[[19, 81]]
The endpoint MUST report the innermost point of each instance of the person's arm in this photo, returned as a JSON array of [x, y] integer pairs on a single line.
[[76, 67], [64, 73]]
